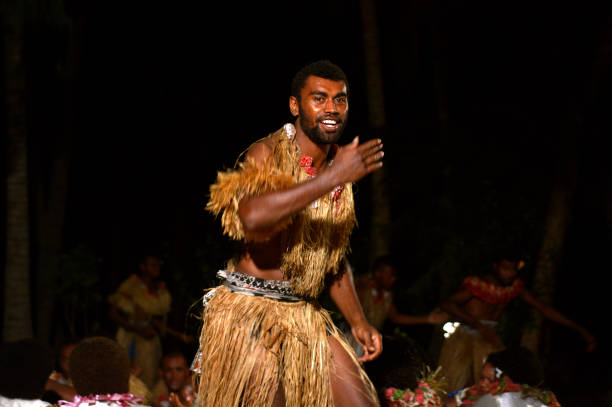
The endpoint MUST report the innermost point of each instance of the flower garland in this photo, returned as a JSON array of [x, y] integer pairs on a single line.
[[306, 164], [424, 395], [492, 293], [124, 400], [505, 386]]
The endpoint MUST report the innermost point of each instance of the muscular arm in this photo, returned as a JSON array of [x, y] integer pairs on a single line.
[[342, 292], [352, 162], [435, 317], [552, 314]]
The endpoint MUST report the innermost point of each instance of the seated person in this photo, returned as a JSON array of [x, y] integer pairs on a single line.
[[512, 375], [24, 368], [100, 371], [175, 378], [479, 304], [59, 381]]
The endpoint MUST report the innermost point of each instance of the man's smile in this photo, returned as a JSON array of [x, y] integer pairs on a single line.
[[330, 124]]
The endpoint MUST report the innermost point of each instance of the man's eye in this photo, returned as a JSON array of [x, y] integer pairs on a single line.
[[341, 101], [318, 99]]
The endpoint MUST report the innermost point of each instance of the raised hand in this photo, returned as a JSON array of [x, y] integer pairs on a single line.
[[354, 161]]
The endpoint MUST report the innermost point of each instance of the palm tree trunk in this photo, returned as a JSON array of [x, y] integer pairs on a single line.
[[380, 232], [51, 196], [557, 220], [17, 318], [561, 196]]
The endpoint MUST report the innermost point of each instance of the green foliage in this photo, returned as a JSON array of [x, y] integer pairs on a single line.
[[77, 289]]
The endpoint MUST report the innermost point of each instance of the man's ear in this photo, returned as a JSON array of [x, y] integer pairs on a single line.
[[294, 106]]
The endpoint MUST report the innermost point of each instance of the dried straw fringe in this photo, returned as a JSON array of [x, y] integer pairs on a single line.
[[318, 237], [251, 344], [233, 185]]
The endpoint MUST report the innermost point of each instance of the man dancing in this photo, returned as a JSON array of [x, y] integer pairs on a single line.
[[479, 304], [265, 340]]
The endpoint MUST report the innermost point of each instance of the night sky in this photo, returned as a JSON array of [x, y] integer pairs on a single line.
[[169, 93]]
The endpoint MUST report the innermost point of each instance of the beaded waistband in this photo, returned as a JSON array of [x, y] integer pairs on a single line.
[[246, 284]]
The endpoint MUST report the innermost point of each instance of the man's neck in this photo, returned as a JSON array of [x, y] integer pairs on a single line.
[[318, 152]]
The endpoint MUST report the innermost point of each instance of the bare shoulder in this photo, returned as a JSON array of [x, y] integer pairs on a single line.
[[260, 150]]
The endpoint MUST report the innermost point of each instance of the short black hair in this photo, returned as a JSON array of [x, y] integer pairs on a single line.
[[173, 353], [323, 69], [99, 365], [25, 366], [520, 364]]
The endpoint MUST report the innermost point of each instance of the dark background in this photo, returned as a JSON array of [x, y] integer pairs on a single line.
[[484, 103]]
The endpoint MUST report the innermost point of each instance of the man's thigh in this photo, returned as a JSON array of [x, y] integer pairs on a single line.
[[347, 384]]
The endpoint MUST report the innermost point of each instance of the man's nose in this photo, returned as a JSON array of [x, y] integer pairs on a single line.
[[330, 106]]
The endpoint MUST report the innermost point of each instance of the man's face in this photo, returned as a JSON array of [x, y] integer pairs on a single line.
[[323, 109], [487, 377], [151, 267], [175, 372], [506, 271]]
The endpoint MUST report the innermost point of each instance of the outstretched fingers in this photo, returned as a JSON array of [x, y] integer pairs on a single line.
[[372, 154], [370, 145]]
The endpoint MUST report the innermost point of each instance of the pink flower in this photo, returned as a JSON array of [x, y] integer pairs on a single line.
[[419, 396], [423, 384], [389, 392], [336, 193], [407, 396], [306, 161]]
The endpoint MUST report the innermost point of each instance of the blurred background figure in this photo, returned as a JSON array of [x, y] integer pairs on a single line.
[[403, 358], [478, 306], [100, 370], [59, 385], [511, 377], [140, 307], [25, 367], [375, 292], [175, 378]]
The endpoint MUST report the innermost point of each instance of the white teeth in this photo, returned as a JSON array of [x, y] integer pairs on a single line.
[[330, 122]]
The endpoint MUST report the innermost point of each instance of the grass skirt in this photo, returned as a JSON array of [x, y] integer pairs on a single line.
[[250, 345]]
